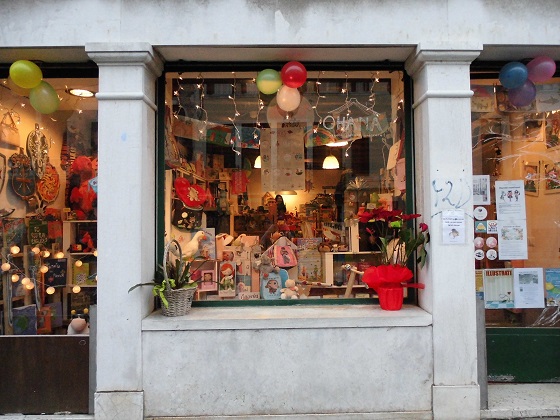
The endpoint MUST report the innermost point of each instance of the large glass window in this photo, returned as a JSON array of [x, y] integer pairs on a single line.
[[48, 191], [264, 186], [516, 165]]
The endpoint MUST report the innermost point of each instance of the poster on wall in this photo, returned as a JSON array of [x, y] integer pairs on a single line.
[[481, 190], [528, 287], [510, 200], [512, 237], [498, 288]]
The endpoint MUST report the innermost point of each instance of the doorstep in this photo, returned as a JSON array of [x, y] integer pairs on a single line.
[[507, 401]]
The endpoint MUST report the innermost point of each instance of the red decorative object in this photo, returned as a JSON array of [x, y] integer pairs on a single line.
[[293, 74], [192, 196], [389, 281]]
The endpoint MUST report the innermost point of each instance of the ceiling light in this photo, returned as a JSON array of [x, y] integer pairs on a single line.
[[337, 143], [286, 192], [81, 93], [257, 164], [331, 162]]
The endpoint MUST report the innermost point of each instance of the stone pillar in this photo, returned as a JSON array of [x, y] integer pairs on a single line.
[[126, 220], [443, 181]]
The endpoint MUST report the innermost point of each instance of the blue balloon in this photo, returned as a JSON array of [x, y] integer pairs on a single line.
[[513, 75]]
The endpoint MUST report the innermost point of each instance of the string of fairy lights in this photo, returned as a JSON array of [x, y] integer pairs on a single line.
[[39, 268]]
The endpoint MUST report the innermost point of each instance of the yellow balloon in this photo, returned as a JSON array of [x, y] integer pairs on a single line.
[[26, 74], [44, 98], [17, 90]]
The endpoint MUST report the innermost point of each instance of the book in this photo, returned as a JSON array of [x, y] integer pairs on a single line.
[[25, 320]]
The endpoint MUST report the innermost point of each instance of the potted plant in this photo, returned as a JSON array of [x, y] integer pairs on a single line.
[[397, 240], [173, 282]]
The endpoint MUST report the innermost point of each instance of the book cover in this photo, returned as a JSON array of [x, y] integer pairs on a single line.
[[552, 286], [25, 320], [80, 274], [226, 276], [38, 233], [56, 276], [498, 288], [14, 232]]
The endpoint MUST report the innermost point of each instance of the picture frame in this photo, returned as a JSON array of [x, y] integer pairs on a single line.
[[531, 178], [551, 177], [552, 132], [208, 281]]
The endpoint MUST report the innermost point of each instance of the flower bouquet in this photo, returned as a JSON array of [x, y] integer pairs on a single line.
[[397, 240]]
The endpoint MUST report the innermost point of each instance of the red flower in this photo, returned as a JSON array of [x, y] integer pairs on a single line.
[[423, 227]]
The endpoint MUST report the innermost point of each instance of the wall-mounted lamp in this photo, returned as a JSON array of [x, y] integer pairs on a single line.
[[257, 164], [337, 143]]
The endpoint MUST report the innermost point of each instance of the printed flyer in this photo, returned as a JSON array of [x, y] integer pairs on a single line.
[[498, 288]]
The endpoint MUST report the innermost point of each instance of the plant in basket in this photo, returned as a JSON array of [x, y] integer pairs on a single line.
[[173, 282], [393, 233]]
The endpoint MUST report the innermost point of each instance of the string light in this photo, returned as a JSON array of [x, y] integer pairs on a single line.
[[260, 107], [50, 290], [235, 115], [316, 106], [15, 249]]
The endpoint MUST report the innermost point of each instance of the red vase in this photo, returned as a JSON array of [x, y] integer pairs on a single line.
[[390, 297]]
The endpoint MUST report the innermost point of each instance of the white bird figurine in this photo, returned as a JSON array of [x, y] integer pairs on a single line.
[[191, 248]]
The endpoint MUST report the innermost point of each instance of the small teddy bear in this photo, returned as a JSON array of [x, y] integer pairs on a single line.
[[266, 267], [291, 291]]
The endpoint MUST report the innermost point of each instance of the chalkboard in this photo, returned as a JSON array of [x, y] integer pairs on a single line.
[[56, 276]]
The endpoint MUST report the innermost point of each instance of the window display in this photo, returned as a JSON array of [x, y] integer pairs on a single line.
[[284, 163], [48, 190]]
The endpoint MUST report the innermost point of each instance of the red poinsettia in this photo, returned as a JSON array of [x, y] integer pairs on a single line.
[[396, 238]]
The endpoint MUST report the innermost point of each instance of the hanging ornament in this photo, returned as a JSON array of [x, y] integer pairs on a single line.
[[288, 98], [293, 74]]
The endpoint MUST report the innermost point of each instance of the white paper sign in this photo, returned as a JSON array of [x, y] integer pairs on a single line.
[[453, 227], [510, 200], [528, 287], [512, 239]]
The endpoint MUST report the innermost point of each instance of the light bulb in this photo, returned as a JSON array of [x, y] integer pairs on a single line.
[[35, 250], [78, 263], [44, 269], [25, 281], [76, 289], [14, 249], [59, 254], [6, 266], [46, 254], [50, 290], [29, 286], [15, 278]]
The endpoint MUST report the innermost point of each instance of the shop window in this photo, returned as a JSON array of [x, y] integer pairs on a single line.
[[276, 180], [48, 191], [516, 162]]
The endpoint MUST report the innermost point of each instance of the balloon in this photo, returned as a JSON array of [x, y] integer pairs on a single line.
[[268, 81], [513, 75], [288, 98], [26, 74], [44, 98], [541, 69], [523, 95], [293, 74]]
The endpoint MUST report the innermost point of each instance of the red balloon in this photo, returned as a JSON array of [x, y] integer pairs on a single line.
[[293, 74]]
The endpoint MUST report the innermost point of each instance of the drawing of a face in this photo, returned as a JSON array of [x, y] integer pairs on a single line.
[[272, 286]]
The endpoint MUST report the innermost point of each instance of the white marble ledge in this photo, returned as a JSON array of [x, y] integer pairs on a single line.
[[281, 317]]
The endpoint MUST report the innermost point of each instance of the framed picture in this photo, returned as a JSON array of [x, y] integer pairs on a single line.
[[208, 281], [552, 131], [551, 173], [531, 176], [481, 190]]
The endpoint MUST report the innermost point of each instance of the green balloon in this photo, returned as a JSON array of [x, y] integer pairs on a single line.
[[44, 98], [269, 81], [26, 74]]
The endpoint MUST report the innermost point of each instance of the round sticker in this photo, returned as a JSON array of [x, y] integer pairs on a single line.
[[491, 242], [478, 242], [491, 254], [479, 254], [480, 213]]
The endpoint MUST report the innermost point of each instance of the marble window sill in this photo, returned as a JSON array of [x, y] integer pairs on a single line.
[[281, 317]]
